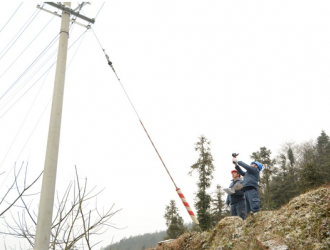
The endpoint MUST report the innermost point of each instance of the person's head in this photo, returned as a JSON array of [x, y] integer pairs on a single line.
[[235, 174], [256, 164]]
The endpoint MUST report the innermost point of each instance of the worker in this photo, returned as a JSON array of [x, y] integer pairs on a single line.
[[250, 184], [236, 200]]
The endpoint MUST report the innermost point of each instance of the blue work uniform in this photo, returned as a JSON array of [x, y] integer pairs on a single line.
[[237, 201], [250, 186]]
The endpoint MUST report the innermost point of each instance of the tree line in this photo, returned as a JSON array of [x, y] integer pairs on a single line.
[[139, 242], [295, 170]]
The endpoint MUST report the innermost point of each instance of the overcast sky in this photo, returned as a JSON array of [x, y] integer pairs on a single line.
[[245, 74]]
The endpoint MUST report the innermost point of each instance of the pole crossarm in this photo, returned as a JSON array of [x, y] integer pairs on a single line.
[[71, 12], [51, 12], [55, 13]]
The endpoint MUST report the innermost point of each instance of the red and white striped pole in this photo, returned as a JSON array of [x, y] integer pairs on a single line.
[[178, 190], [185, 203]]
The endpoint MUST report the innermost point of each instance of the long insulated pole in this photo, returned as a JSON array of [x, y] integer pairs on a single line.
[[178, 190]]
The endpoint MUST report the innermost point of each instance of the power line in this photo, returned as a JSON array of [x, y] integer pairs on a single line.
[[39, 78], [76, 50], [27, 46], [38, 57], [19, 130], [32, 75], [96, 14], [19, 35], [27, 91], [99, 11], [11, 17], [40, 115], [27, 141], [29, 78]]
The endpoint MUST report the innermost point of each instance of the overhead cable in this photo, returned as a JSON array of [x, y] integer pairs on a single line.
[[84, 34], [99, 11], [29, 67], [27, 25], [42, 64], [40, 115], [5, 102], [27, 141], [39, 78], [96, 14], [27, 47], [27, 91], [11, 17], [19, 130]]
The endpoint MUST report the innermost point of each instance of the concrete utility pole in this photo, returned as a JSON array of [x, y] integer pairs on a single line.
[[45, 212], [46, 204]]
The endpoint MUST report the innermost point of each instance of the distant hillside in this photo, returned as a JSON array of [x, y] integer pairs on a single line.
[[304, 224], [139, 242]]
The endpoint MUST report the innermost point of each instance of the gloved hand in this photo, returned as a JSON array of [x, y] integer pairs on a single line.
[[235, 161]]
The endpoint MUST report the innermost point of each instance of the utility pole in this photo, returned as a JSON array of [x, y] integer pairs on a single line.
[[46, 204]]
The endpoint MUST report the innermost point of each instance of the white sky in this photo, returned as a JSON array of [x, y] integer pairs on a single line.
[[245, 74]]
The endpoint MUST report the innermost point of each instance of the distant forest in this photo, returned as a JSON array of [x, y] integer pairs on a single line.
[[139, 242]]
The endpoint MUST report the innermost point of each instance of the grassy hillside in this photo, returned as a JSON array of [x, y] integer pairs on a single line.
[[304, 223]]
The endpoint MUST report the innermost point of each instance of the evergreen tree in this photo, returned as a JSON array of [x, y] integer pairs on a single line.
[[311, 176], [218, 204], [292, 176], [321, 145], [204, 167], [322, 159], [279, 183], [263, 156], [284, 182], [173, 221], [326, 163]]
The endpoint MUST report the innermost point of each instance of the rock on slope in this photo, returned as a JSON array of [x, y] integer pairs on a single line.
[[304, 223]]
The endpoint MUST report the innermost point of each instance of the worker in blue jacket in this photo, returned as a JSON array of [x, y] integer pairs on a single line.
[[250, 184], [236, 200]]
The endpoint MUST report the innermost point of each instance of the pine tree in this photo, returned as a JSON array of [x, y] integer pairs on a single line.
[[204, 167], [292, 176], [279, 183], [174, 222], [326, 164], [311, 176], [263, 156], [322, 147], [284, 181], [322, 143], [218, 204]]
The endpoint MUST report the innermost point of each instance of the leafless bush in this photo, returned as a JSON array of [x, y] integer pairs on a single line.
[[73, 224]]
